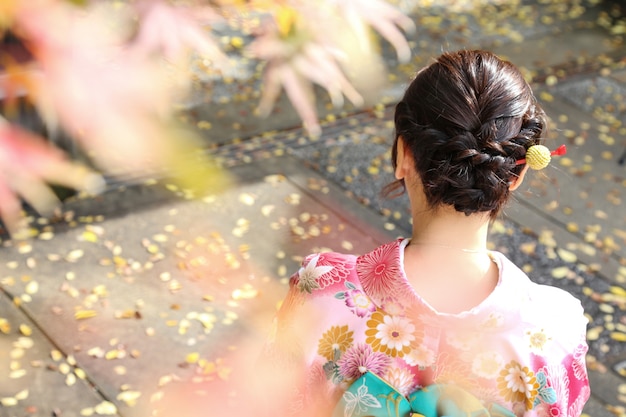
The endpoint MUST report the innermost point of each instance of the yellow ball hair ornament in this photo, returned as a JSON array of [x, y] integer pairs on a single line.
[[538, 156]]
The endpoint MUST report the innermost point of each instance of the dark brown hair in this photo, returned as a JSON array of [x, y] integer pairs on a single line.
[[466, 119]]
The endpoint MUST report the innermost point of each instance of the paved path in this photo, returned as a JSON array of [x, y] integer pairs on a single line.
[[134, 296]]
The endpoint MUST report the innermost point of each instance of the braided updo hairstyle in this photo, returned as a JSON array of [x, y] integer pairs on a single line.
[[466, 119]]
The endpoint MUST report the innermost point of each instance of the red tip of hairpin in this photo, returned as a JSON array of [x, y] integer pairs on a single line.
[[561, 150]]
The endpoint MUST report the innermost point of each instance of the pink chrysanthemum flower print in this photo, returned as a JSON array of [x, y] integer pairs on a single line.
[[339, 272], [309, 274], [564, 389], [360, 359], [391, 335], [402, 379], [356, 300], [517, 383], [378, 270], [577, 406], [580, 370]]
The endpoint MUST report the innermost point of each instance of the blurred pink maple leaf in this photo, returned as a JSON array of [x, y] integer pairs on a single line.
[[175, 31], [383, 18], [114, 98], [294, 66], [308, 44], [27, 165]]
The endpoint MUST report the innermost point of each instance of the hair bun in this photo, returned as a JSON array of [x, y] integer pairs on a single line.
[[467, 118]]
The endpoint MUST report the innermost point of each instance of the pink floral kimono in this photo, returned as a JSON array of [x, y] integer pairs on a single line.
[[346, 317]]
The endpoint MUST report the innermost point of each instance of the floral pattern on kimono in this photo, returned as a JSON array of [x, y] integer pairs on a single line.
[[522, 348]]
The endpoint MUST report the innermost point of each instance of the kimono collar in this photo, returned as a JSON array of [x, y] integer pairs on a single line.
[[381, 273]]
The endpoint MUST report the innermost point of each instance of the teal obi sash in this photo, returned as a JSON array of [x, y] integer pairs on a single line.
[[372, 396]]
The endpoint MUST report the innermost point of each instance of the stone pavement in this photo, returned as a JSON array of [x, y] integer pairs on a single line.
[[130, 303]]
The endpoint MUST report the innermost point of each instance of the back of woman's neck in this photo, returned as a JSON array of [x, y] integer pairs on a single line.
[[450, 279], [451, 230]]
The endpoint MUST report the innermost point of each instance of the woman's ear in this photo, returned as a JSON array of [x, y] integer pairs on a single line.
[[404, 159], [517, 181]]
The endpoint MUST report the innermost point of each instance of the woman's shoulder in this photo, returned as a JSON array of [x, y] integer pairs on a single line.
[[328, 272], [556, 310], [519, 281], [324, 272], [540, 302]]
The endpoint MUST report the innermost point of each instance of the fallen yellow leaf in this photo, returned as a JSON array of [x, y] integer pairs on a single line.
[[566, 255], [85, 314], [618, 336], [560, 272]]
